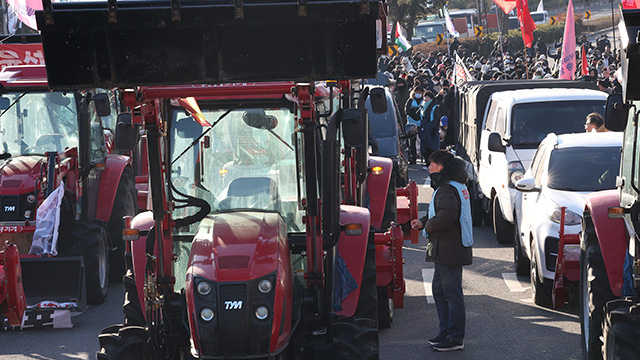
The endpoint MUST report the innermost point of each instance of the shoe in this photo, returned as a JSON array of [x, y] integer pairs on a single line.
[[436, 340], [448, 345]]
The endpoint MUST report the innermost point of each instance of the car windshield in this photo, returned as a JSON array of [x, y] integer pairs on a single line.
[[246, 161], [34, 123], [531, 122], [584, 168], [429, 31]]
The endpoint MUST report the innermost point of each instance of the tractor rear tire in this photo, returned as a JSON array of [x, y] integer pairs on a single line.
[[501, 227], [91, 241], [132, 310], [368, 300], [355, 339], [385, 308], [520, 260], [621, 329], [595, 291], [124, 204], [540, 291], [123, 343]]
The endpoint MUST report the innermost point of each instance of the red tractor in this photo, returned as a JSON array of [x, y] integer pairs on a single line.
[[51, 139], [253, 247], [610, 256]]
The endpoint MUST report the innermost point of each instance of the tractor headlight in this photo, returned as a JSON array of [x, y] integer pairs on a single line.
[[206, 314], [27, 214], [31, 198], [265, 286], [204, 288], [262, 312]]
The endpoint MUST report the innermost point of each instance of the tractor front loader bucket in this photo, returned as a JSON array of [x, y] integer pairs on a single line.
[[126, 44], [55, 279]]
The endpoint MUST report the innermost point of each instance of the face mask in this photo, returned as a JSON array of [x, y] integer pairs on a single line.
[[418, 96]]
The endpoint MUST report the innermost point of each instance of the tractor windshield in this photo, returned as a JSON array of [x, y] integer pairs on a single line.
[[34, 123], [246, 161]]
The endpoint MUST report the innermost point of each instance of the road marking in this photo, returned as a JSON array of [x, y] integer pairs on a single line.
[[427, 279], [513, 283]]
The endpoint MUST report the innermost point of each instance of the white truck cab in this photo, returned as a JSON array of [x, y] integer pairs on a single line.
[[515, 122]]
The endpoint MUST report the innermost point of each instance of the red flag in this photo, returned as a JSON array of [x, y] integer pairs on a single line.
[[507, 5], [191, 105], [527, 25], [630, 4], [585, 64]]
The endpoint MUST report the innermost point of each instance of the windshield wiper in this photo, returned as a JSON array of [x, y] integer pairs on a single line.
[[281, 139], [5, 156], [205, 133]]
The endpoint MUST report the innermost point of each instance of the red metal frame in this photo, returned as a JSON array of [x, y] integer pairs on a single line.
[[611, 233], [567, 264], [389, 263], [407, 207], [12, 299], [377, 186]]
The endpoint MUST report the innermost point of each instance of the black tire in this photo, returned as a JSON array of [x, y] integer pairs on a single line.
[[595, 290], [127, 343], [123, 204], [385, 308], [521, 262], [91, 241], [391, 205], [355, 339], [501, 227], [621, 330], [368, 301], [477, 211], [540, 291], [133, 315]]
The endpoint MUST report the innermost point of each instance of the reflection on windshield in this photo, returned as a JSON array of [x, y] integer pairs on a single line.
[[247, 165], [531, 122], [34, 123], [584, 169]]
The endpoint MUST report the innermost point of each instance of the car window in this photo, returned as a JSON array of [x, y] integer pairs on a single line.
[[583, 168], [382, 125], [537, 158], [539, 171], [499, 125], [491, 115]]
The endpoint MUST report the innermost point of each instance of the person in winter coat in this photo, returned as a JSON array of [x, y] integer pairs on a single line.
[[429, 132], [412, 109], [449, 230]]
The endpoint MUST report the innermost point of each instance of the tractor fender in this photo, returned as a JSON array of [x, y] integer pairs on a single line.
[[611, 234], [353, 249], [241, 248], [377, 187], [143, 222], [109, 179]]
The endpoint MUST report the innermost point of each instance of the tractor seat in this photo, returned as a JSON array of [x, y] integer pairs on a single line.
[[260, 193]]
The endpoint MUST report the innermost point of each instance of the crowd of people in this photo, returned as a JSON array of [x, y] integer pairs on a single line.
[[422, 83]]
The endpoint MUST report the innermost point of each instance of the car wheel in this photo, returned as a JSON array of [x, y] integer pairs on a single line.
[[540, 291], [501, 227], [520, 260]]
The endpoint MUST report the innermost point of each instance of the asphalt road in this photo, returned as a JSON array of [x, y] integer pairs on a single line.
[[502, 321]]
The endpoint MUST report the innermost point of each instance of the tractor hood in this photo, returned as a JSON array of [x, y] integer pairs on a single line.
[[238, 246], [19, 173]]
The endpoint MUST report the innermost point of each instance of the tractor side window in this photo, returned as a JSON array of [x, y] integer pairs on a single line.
[[97, 138]]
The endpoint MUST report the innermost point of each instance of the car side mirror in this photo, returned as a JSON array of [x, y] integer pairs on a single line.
[[616, 113], [495, 142], [378, 100], [103, 107], [527, 184], [126, 133], [410, 130]]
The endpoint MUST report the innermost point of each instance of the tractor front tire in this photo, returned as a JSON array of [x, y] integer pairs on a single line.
[[91, 241], [621, 329], [355, 339], [367, 307], [123, 204], [123, 343], [595, 290], [132, 310], [501, 227]]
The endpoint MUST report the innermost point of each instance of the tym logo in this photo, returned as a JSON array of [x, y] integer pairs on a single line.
[[233, 305], [9, 208]]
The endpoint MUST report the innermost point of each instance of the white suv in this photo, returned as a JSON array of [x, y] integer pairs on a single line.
[[565, 168]]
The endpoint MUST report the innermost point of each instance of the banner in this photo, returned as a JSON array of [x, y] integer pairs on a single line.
[[401, 38], [20, 54], [568, 58]]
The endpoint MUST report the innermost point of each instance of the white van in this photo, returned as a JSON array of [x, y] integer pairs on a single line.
[[514, 124]]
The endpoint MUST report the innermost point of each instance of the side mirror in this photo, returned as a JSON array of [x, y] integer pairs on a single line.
[[187, 128], [410, 130], [495, 142], [527, 184], [378, 99], [354, 128], [616, 113], [259, 120], [4, 103], [126, 133], [103, 107]]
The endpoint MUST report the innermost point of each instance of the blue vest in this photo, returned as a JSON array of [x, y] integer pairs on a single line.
[[466, 223], [414, 103]]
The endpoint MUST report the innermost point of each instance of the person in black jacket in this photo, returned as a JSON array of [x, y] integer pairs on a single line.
[[449, 228]]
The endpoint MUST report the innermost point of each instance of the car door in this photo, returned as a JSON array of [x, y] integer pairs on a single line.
[[530, 207], [484, 176]]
